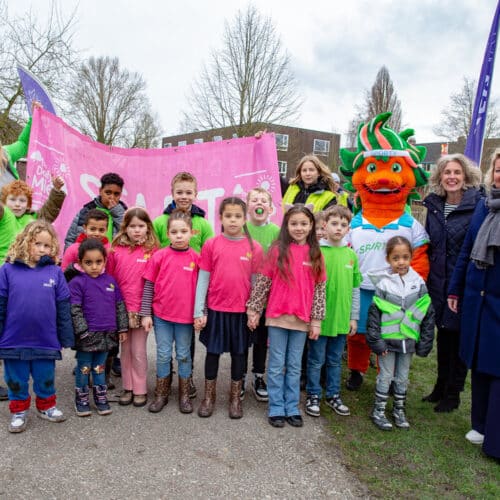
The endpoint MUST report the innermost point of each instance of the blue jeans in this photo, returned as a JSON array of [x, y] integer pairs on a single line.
[[166, 332], [283, 374], [393, 366], [329, 349], [87, 362], [17, 374]]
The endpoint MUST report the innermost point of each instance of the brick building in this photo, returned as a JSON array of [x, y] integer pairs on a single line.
[[292, 143]]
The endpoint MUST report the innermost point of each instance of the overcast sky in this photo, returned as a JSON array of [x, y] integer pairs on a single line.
[[336, 49]]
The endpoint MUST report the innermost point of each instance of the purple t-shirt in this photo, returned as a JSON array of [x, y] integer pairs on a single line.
[[33, 293], [98, 298]]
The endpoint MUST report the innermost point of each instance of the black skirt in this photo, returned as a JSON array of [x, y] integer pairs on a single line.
[[226, 332]]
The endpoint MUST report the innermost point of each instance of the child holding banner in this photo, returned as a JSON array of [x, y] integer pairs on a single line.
[[131, 250], [227, 264]]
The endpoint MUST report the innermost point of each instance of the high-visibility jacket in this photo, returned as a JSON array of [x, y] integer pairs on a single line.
[[319, 200], [398, 323]]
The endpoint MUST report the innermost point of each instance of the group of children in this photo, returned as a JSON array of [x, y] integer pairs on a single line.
[[255, 283]]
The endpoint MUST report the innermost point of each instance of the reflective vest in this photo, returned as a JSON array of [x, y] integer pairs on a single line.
[[317, 200], [400, 324]]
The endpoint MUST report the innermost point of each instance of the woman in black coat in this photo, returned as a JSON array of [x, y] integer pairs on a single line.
[[454, 182]]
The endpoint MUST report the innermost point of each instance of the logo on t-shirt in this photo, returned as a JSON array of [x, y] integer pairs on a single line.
[[51, 283], [246, 257], [307, 263], [191, 267], [110, 287]]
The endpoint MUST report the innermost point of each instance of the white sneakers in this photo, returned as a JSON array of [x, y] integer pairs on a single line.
[[474, 437], [18, 421]]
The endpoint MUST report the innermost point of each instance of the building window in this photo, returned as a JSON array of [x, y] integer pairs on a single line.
[[167, 145], [282, 142], [282, 166], [198, 141], [217, 138], [321, 147], [182, 143]]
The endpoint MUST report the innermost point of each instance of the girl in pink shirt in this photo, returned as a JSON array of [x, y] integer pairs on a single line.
[[292, 281], [227, 264], [131, 250], [168, 303]]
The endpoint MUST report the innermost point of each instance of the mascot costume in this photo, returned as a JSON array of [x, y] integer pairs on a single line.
[[383, 174]]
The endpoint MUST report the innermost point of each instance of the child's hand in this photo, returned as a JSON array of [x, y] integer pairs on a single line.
[[314, 331], [253, 319], [35, 104], [122, 336], [260, 133], [384, 353], [200, 323], [453, 304], [147, 323], [58, 182], [353, 327]]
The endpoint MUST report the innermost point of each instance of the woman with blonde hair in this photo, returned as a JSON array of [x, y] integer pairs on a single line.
[[312, 185], [455, 193]]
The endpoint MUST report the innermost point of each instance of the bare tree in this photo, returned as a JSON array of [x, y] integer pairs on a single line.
[[247, 83], [146, 132], [109, 102], [46, 49], [457, 116], [379, 99]]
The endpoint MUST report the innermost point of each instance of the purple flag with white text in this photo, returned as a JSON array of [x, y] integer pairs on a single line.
[[34, 91], [474, 146]]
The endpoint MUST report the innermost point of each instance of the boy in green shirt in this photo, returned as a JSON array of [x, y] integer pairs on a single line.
[[342, 312], [259, 209]]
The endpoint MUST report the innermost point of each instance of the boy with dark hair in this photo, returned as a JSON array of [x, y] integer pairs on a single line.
[[108, 202]]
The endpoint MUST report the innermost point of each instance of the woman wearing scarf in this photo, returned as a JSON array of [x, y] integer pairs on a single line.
[[475, 289], [454, 184]]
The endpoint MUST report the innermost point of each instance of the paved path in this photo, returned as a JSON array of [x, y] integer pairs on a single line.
[[135, 454]]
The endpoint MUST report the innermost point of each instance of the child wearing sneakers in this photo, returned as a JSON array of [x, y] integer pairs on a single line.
[[400, 323], [260, 207], [35, 322], [99, 320], [342, 312]]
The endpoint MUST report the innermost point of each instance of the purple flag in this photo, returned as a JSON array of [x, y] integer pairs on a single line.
[[34, 91], [474, 146]]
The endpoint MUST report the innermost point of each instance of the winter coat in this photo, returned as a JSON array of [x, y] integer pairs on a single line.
[[479, 299], [115, 217], [446, 238], [403, 293]]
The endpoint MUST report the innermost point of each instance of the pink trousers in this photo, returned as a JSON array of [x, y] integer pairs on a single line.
[[134, 361]]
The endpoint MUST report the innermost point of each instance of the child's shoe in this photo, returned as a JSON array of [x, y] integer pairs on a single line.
[[207, 405], [101, 400], [474, 437], [82, 405], [235, 408], [192, 388], [336, 404], [354, 381], [18, 421], [398, 411], [52, 414], [313, 405], [378, 413], [260, 388], [243, 387], [126, 397]]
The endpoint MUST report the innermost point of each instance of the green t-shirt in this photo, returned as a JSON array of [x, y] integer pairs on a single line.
[[342, 275], [10, 226], [264, 234], [202, 231]]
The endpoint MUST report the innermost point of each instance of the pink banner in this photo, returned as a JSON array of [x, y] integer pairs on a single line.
[[224, 168]]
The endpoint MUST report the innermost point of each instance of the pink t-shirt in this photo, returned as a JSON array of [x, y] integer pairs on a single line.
[[127, 266], [296, 296], [174, 274], [231, 264], [71, 254]]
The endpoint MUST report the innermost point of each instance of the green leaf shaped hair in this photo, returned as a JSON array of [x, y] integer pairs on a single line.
[[376, 139]]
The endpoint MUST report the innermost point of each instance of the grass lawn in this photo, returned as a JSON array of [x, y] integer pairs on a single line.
[[431, 460]]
